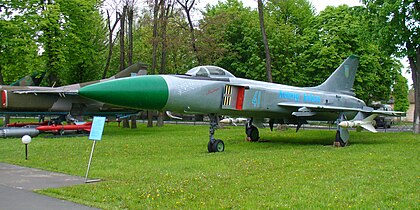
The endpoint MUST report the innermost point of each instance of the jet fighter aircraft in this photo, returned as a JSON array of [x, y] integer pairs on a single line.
[[214, 91], [60, 100]]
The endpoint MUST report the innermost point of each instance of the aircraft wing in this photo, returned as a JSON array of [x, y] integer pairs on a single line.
[[320, 108], [47, 91], [304, 107], [389, 113]]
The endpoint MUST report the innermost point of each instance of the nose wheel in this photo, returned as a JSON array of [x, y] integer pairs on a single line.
[[214, 145], [217, 146]]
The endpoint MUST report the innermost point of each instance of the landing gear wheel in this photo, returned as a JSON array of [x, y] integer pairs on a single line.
[[217, 146], [214, 145], [210, 147], [339, 141], [252, 133]]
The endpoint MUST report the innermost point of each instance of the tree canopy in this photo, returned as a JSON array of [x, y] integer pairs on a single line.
[[68, 40], [396, 26]]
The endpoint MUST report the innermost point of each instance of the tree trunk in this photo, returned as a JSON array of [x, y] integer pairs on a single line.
[[160, 118], [164, 21], [111, 43], [162, 70], [133, 121], [264, 36], [126, 123], [130, 35], [130, 16], [122, 37], [149, 118], [155, 35], [415, 70], [154, 53], [187, 8]]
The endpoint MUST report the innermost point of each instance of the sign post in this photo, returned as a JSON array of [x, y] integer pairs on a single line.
[[95, 135]]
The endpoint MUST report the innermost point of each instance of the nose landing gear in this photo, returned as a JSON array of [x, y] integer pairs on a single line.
[[214, 145]]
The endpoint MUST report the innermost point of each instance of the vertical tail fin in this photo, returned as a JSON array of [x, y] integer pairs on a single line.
[[342, 79]]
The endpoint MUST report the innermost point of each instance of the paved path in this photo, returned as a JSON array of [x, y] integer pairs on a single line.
[[17, 184]]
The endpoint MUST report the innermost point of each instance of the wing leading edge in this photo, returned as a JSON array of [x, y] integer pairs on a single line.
[[305, 107]]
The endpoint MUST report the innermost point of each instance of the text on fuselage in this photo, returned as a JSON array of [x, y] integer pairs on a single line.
[[307, 97]]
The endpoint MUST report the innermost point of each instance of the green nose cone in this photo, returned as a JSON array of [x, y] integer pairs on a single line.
[[143, 92]]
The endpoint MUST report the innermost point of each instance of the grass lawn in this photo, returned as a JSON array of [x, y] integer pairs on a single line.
[[170, 168]]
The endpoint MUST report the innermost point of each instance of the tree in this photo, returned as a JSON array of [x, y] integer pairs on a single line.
[[264, 36], [110, 40], [396, 23], [51, 39], [85, 35], [400, 93], [130, 18], [19, 22], [122, 38], [187, 5], [63, 38], [230, 37], [338, 32], [166, 9]]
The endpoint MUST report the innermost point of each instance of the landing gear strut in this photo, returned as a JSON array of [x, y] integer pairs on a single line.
[[214, 145], [252, 133], [339, 142], [342, 135]]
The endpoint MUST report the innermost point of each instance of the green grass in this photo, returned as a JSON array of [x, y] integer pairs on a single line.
[[170, 168]]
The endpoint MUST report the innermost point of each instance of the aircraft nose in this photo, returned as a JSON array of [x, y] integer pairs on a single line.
[[142, 92]]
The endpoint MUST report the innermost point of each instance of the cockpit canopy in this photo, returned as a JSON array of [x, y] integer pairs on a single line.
[[209, 71]]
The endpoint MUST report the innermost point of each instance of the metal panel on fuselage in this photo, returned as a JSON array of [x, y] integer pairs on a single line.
[[194, 95]]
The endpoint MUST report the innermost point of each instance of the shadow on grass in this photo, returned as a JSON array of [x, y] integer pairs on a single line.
[[325, 141], [325, 138]]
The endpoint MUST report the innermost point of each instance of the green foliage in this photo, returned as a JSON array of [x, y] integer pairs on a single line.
[[305, 48], [18, 47], [400, 93], [338, 32], [169, 168], [82, 45], [52, 42], [395, 23], [231, 38], [63, 38], [231, 33]]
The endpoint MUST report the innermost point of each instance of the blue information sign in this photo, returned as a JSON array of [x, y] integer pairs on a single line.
[[97, 128]]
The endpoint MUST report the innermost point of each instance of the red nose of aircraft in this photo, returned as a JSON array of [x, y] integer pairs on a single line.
[[142, 92]]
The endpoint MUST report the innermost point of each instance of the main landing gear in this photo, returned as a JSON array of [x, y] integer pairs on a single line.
[[214, 145], [339, 142], [252, 133], [342, 135]]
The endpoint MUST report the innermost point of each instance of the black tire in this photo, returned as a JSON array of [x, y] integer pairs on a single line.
[[338, 139], [210, 147], [253, 133], [218, 146]]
